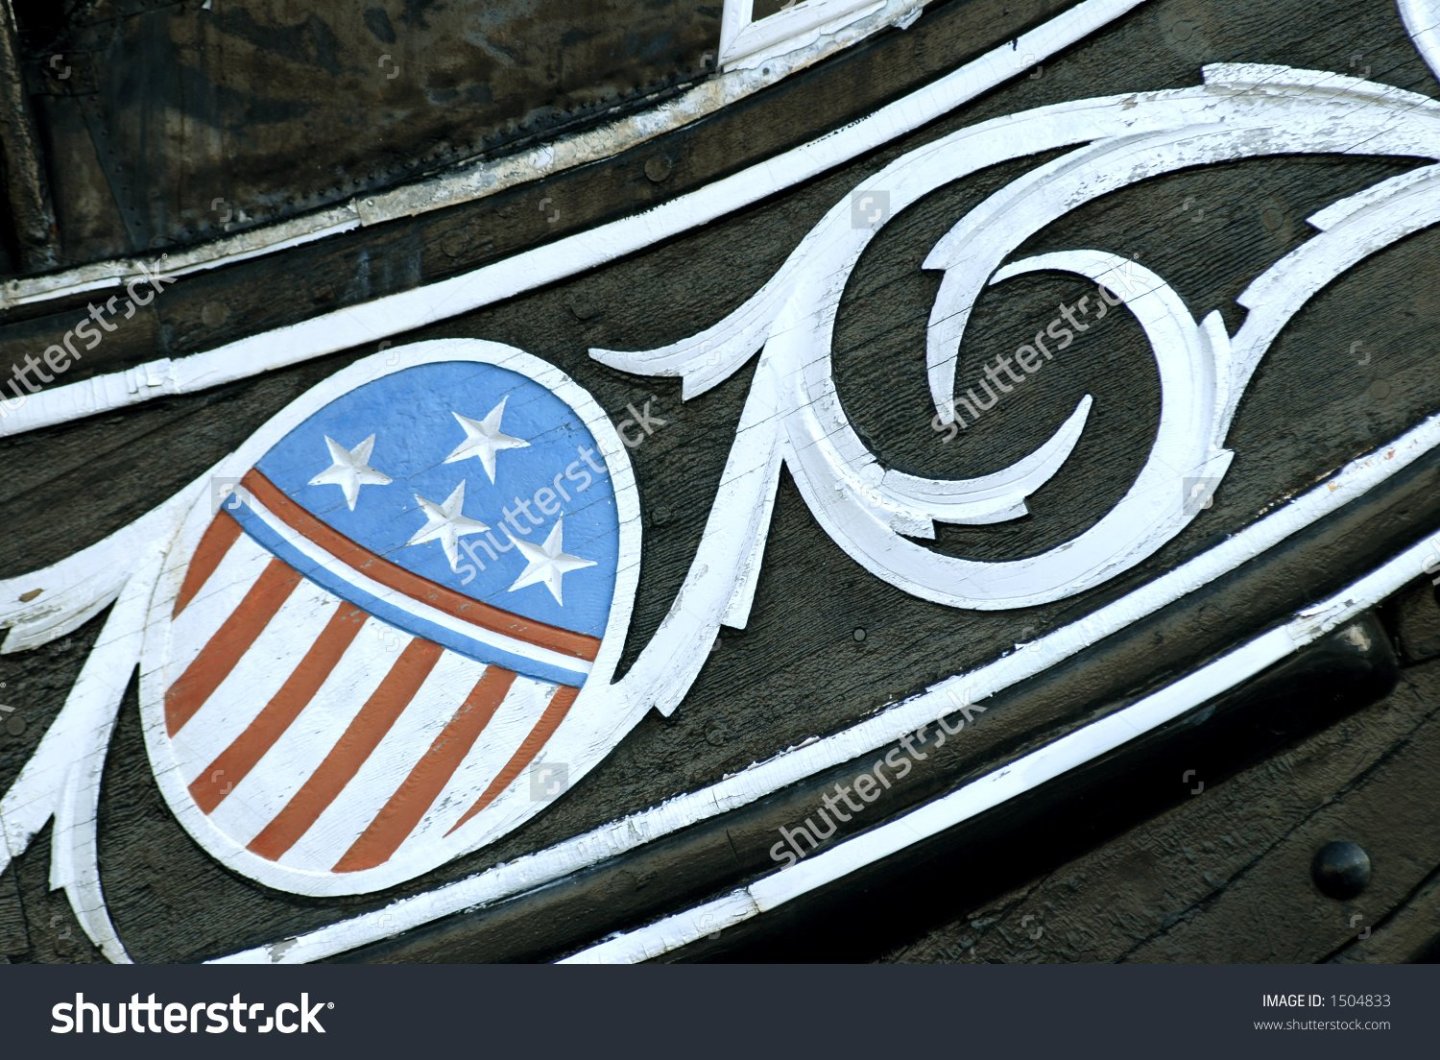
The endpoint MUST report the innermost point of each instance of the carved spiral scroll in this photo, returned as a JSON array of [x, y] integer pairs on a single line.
[[876, 513]]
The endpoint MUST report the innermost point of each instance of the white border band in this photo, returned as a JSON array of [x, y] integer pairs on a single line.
[[1019, 776], [382, 318], [629, 833]]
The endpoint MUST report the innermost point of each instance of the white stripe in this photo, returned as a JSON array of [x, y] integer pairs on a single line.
[[513, 721], [216, 601], [423, 719], [255, 679], [465, 182], [298, 753], [412, 605], [628, 833], [397, 313], [1015, 778]]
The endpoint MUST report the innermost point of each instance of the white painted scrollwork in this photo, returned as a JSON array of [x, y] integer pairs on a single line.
[[874, 512], [793, 417], [1422, 20]]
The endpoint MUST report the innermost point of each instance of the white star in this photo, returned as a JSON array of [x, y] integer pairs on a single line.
[[349, 469], [547, 564], [483, 439], [445, 523]]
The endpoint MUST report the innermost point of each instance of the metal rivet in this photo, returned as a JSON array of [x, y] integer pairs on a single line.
[[1341, 869], [658, 168], [859, 634]]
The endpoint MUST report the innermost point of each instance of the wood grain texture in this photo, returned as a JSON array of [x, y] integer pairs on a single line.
[[1226, 875], [31, 225], [802, 667], [189, 122]]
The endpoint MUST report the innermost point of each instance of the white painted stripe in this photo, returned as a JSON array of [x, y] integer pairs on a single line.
[[387, 767], [216, 601], [746, 41], [77, 588], [1422, 22], [394, 314], [260, 673], [514, 721], [1019, 776], [469, 181], [106, 275], [296, 754], [416, 607], [621, 836]]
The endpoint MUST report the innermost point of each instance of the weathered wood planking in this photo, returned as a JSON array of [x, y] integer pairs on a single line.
[[799, 669], [175, 122], [1226, 875]]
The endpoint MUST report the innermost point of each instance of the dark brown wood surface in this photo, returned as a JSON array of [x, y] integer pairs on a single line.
[[171, 122], [802, 668], [1226, 876]]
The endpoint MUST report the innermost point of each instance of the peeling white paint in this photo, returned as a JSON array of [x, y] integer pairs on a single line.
[[395, 314], [746, 42]]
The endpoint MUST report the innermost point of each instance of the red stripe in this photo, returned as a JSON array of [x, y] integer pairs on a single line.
[[235, 762], [214, 544], [350, 752], [418, 792], [392, 576], [229, 644], [560, 704]]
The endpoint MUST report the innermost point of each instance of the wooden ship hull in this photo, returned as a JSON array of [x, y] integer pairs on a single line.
[[1015, 431]]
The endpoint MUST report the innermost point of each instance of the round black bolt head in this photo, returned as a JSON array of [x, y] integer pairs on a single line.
[[1341, 869]]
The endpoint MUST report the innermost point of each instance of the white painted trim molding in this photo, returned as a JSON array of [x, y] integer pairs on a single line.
[[627, 834], [787, 52], [747, 42], [1016, 777], [395, 314]]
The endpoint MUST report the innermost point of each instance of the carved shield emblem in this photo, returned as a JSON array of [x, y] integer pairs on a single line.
[[385, 631], [378, 639]]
